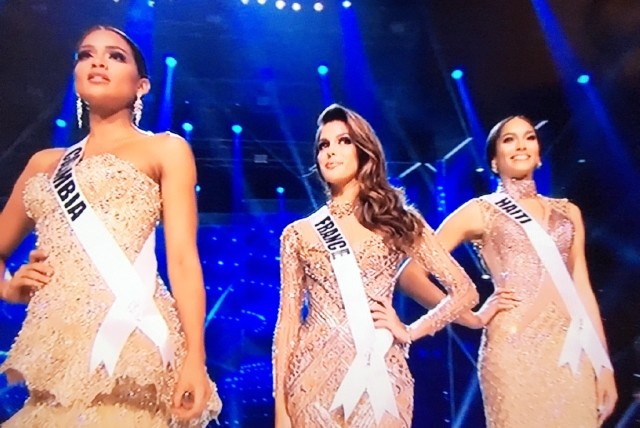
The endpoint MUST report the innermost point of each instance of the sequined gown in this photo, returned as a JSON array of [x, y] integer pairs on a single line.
[[312, 357], [52, 350], [522, 385]]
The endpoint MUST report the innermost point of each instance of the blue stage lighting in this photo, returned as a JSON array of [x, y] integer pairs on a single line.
[[244, 1], [262, 2], [457, 74], [296, 7], [323, 70], [151, 3], [280, 4], [280, 190], [318, 7], [346, 4], [198, 188], [237, 129], [187, 127], [583, 79], [171, 61], [61, 123]]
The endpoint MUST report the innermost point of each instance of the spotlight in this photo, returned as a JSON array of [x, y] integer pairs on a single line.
[[280, 190], [262, 2], [171, 61], [479, 169], [187, 127], [244, 1], [457, 74], [61, 123], [237, 129], [583, 79], [323, 70], [318, 7], [280, 4], [346, 4], [151, 3], [296, 7], [198, 188]]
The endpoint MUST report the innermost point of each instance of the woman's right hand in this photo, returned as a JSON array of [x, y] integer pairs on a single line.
[[28, 279], [502, 300]]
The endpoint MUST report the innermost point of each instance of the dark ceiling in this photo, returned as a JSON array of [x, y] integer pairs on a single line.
[[257, 65]]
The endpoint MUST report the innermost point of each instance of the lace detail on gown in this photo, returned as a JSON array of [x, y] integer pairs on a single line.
[[519, 189], [521, 382], [52, 350], [312, 357]]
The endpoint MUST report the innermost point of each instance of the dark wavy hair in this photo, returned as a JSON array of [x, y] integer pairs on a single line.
[[383, 207], [496, 132], [138, 58]]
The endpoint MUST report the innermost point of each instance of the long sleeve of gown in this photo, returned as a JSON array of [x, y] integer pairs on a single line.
[[429, 253], [289, 312]]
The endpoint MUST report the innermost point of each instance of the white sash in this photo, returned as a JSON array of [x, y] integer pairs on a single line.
[[368, 371], [582, 334], [133, 286]]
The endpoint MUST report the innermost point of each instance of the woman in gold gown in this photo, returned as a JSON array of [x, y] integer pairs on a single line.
[[66, 354], [312, 357], [525, 379]]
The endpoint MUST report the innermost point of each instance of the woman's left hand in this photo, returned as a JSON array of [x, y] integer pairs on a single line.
[[384, 316], [193, 389], [607, 394]]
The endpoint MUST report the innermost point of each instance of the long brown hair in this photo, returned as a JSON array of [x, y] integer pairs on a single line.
[[383, 207]]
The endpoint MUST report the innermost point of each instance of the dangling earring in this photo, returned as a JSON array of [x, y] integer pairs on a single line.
[[137, 110], [79, 110], [539, 165]]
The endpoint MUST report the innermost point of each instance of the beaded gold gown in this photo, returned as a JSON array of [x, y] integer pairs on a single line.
[[312, 357], [522, 384], [52, 351]]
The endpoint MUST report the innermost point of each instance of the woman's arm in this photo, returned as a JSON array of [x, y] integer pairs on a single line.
[[414, 283], [180, 219], [606, 387], [431, 256], [289, 317], [578, 265], [465, 224], [15, 225]]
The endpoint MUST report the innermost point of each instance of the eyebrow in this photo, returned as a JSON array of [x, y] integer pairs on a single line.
[[110, 47], [513, 134], [344, 134]]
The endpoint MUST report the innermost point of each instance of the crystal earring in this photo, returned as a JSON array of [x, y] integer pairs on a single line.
[[79, 110], [137, 110]]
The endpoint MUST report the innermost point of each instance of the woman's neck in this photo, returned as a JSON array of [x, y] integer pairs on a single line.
[[346, 193], [105, 130], [523, 188]]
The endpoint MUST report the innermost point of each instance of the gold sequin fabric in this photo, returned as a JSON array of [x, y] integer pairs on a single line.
[[521, 382], [312, 357], [52, 350]]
